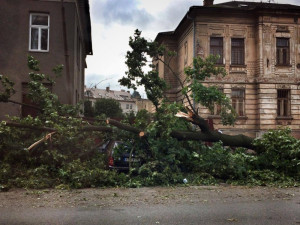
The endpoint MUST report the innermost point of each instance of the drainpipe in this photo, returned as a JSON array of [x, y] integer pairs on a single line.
[[66, 51]]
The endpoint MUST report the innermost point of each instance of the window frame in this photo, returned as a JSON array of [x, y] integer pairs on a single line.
[[240, 50], [239, 100], [284, 103], [40, 28], [217, 47], [280, 52]]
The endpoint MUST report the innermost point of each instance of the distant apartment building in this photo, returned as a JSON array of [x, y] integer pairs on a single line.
[[127, 103], [54, 32], [259, 46]]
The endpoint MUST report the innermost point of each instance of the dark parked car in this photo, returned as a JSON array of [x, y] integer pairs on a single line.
[[118, 155]]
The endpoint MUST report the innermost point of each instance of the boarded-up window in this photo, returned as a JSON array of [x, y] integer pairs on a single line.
[[282, 51], [237, 51], [216, 48], [283, 102], [238, 101]]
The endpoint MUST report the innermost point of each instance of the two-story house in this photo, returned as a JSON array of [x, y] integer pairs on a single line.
[[54, 32], [259, 46]]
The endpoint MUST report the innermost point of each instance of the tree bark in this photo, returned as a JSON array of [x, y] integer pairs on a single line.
[[214, 136], [126, 127]]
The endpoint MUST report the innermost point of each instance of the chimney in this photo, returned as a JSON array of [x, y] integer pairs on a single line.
[[208, 2], [107, 89]]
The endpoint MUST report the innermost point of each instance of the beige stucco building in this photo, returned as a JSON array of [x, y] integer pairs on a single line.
[[54, 32], [259, 45]]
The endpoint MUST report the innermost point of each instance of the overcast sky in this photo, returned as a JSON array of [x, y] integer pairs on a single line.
[[114, 21]]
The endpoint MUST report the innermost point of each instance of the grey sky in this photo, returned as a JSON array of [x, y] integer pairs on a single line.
[[125, 12]]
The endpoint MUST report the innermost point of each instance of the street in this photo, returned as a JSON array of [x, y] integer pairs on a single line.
[[164, 206]]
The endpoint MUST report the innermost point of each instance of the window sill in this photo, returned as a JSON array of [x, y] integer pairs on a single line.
[[238, 66], [39, 51], [284, 118], [283, 66]]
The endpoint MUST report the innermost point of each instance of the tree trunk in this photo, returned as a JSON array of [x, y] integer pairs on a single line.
[[214, 136]]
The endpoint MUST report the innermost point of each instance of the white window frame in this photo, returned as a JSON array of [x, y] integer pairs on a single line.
[[39, 27]]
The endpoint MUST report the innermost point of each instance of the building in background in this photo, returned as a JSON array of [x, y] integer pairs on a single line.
[[54, 32], [127, 103], [145, 104], [259, 46]]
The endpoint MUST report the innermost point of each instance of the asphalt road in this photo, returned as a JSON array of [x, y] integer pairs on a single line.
[[201, 208]]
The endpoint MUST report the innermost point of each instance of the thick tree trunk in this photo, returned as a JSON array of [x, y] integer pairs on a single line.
[[209, 135], [214, 136]]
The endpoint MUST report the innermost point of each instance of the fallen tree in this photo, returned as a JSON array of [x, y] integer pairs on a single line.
[[64, 148], [192, 89]]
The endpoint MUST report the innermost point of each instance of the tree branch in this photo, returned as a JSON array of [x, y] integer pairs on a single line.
[[85, 128], [126, 127]]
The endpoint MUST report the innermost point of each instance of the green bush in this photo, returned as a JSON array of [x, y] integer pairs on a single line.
[[280, 152]]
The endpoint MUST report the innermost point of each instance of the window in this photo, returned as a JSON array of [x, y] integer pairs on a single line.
[[282, 51], [39, 32], [283, 102], [127, 106], [238, 100], [237, 51], [217, 108], [216, 48], [130, 106]]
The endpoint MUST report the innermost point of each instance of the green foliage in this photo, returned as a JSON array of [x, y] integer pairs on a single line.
[[279, 151], [7, 87], [136, 60], [69, 159], [109, 107], [40, 166], [208, 96], [89, 110]]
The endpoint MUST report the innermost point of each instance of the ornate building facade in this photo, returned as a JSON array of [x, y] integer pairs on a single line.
[[259, 46]]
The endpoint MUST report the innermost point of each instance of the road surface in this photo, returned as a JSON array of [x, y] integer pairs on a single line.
[[152, 206]]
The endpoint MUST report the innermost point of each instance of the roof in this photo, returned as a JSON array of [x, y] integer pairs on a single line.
[[230, 7], [255, 5], [112, 94]]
